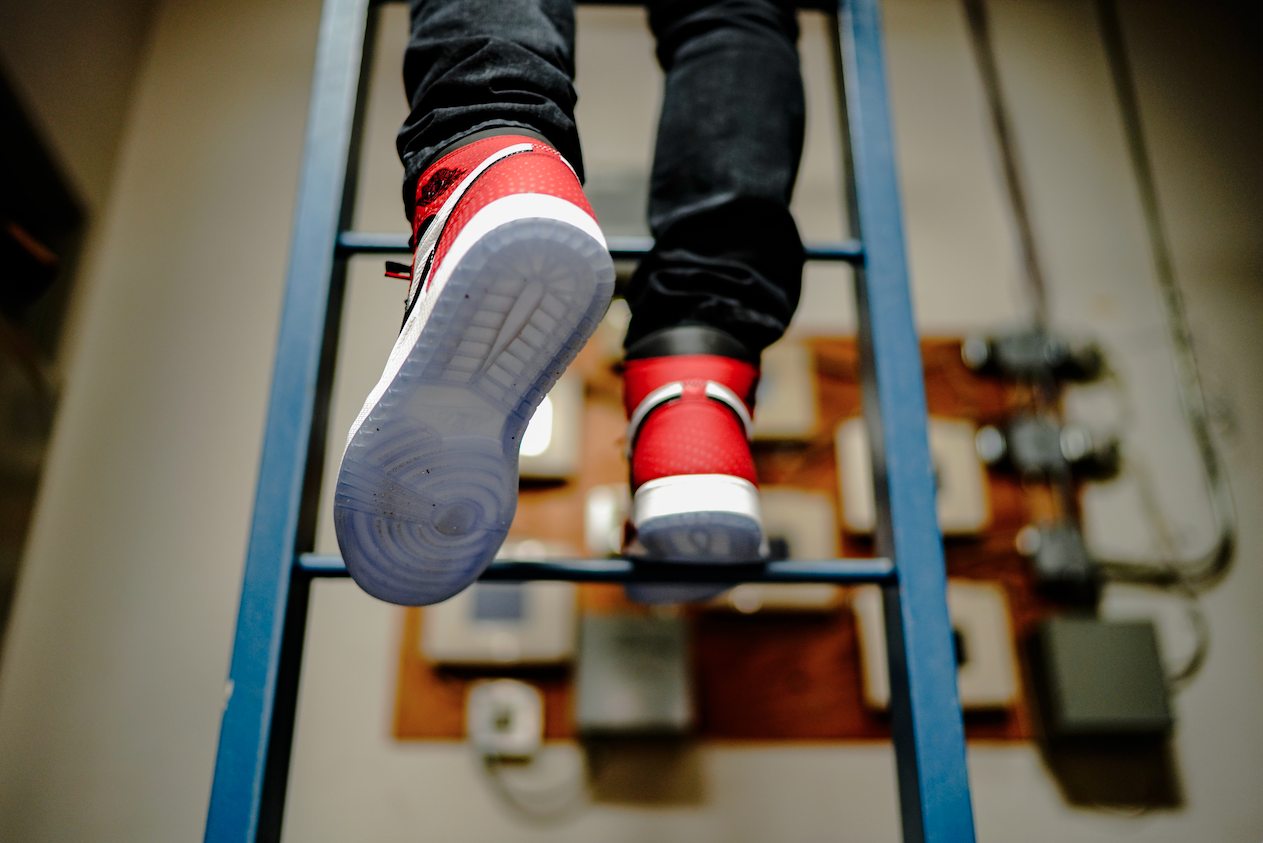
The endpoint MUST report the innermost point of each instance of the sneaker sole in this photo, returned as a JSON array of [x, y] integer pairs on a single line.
[[429, 480], [699, 518]]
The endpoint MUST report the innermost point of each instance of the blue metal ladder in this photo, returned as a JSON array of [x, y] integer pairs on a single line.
[[251, 771]]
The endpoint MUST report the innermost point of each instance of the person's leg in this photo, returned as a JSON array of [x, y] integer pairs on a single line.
[[510, 276], [477, 67], [727, 253], [722, 280]]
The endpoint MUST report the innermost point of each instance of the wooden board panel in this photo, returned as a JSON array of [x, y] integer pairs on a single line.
[[758, 677]]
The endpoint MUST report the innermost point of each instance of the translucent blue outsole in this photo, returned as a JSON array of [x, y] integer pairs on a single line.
[[428, 484], [718, 537]]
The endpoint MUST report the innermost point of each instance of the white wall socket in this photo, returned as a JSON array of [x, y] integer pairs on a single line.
[[986, 675], [963, 503], [504, 718]]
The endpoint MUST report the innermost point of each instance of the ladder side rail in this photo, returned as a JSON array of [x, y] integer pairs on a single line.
[[256, 733], [926, 717]]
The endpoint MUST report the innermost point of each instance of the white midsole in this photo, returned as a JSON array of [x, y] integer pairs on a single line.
[[518, 206], [690, 493]]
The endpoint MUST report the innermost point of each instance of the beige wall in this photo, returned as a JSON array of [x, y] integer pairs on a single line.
[[114, 667], [74, 65], [112, 679]]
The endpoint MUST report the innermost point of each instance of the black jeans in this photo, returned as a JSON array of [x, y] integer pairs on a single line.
[[727, 253]]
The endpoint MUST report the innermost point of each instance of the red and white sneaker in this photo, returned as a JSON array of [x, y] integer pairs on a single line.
[[510, 277], [695, 495]]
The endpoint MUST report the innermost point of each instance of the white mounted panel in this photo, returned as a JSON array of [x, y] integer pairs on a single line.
[[785, 403], [504, 623], [963, 503], [987, 664], [608, 337], [605, 512], [551, 445], [804, 520]]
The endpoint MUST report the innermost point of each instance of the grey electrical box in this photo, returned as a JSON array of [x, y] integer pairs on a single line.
[[1102, 678], [632, 676]]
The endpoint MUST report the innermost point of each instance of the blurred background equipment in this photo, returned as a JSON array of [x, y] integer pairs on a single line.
[[553, 441], [960, 482], [503, 623], [505, 722], [606, 510], [633, 676], [986, 662], [785, 401], [505, 718], [1101, 679]]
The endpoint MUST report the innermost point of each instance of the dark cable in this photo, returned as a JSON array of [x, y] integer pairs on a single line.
[[1182, 677], [545, 807], [1211, 566], [984, 52], [1047, 393]]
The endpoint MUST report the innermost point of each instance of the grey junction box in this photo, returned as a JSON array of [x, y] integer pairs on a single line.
[[632, 676], [1102, 678]]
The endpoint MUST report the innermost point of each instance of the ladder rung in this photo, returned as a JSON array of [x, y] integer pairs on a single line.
[[615, 570], [621, 248]]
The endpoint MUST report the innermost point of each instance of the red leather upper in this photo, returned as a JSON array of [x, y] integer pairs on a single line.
[[441, 177], [541, 170], [693, 434]]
